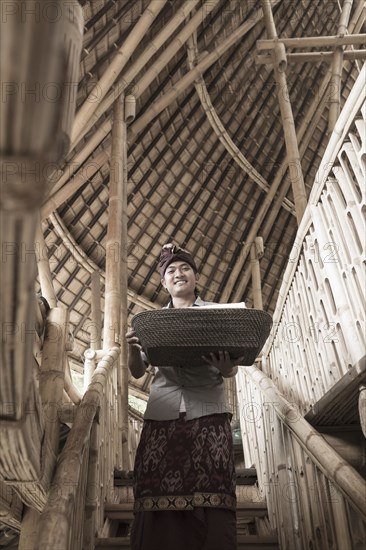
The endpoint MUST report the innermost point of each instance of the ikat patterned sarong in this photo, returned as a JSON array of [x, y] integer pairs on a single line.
[[183, 464]]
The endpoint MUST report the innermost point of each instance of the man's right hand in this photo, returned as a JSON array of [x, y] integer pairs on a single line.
[[132, 340]]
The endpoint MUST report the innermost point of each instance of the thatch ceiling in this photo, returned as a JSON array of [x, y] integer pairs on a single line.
[[184, 184]]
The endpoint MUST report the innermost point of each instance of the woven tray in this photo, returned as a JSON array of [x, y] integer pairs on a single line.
[[179, 337]]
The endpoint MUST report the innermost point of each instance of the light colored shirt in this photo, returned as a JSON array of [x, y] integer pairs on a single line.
[[199, 391]]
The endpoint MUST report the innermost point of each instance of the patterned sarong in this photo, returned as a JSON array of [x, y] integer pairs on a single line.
[[184, 464]]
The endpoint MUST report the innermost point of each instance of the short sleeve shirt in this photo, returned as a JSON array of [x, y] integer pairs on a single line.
[[202, 388]]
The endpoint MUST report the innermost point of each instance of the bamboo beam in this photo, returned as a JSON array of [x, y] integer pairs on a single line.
[[293, 156], [217, 125], [51, 377], [127, 78], [312, 41], [116, 66], [337, 65], [256, 252], [70, 389], [115, 312], [78, 160], [122, 380], [96, 312], [91, 504], [335, 468], [188, 79], [313, 57], [66, 190], [29, 530], [44, 270], [80, 256], [112, 307]]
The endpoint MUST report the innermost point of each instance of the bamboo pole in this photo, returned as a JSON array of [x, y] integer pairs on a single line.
[[219, 128], [78, 160], [51, 378], [337, 65], [122, 381], [116, 66], [188, 79], [44, 271], [335, 468], [28, 539], [91, 504], [313, 57], [56, 517], [70, 389], [96, 312], [112, 307], [85, 173], [127, 78], [312, 41], [256, 252], [88, 264], [89, 367], [293, 156], [115, 316]]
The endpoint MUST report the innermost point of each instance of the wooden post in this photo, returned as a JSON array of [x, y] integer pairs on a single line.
[[256, 252], [293, 156], [336, 83]]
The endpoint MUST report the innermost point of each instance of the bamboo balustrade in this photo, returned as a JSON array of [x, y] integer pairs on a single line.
[[314, 497], [314, 345], [58, 513]]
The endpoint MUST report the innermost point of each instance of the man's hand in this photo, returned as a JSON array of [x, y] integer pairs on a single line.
[[134, 359], [223, 362], [132, 340]]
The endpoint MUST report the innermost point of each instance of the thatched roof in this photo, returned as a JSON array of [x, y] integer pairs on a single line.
[[200, 169]]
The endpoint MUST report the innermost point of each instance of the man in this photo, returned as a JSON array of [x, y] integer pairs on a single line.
[[184, 467]]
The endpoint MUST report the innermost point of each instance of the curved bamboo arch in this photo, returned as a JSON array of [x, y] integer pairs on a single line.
[[219, 128]]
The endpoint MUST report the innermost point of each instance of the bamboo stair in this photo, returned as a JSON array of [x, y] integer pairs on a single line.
[[253, 530]]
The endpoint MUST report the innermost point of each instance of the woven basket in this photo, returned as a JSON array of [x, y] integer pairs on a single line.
[[179, 337]]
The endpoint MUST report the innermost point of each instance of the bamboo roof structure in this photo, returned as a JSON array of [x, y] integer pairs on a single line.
[[206, 148], [207, 159]]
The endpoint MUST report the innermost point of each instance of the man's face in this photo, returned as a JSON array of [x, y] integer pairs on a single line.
[[180, 279]]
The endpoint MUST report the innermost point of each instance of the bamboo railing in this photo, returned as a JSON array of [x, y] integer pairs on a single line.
[[320, 316], [315, 499], [61, 520]]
